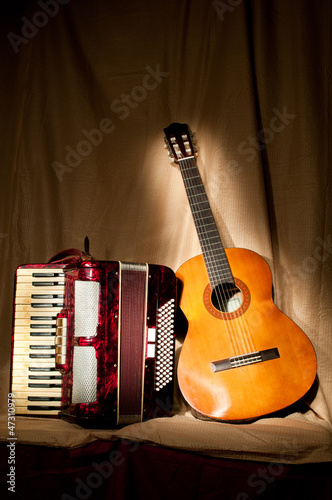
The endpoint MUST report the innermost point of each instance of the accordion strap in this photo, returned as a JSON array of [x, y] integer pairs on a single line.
[[72, 255]]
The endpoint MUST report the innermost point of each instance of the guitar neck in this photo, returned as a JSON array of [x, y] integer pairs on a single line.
[[216, 261]]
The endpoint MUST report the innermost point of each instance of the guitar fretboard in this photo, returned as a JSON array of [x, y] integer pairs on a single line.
[[214, 254]]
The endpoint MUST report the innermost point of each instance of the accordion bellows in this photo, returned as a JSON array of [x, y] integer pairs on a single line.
[[104, 355]]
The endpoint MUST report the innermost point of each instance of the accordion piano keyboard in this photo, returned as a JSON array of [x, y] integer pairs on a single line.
[[36, 383]]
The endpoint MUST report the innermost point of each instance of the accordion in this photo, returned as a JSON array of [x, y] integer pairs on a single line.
[[93, 341]]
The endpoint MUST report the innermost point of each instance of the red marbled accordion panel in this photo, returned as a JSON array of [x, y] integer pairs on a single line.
[[159, 317]]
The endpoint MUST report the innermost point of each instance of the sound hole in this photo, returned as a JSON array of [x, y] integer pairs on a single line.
[[226, 297]]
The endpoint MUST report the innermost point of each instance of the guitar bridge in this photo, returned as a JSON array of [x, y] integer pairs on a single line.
[[245, 359]]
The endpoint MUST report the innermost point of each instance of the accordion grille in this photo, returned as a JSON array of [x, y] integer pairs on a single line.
[[86, 308], [84, 375], [165, 345]]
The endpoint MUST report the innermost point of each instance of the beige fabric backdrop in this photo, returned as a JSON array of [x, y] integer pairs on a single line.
[[86, 90]]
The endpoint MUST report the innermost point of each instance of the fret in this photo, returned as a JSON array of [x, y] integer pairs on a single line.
[[200, 211], [210, 240], [194, 195], [204, 234], [201, 226], [218, 270], [200, 203], [190, 178], [218, 260], [206, 239], [209, 224], [208, 235], [216, 267], [202, 220], [215, 256], [215, 273], [215, 270], [192, 192], [195, 186], [207, 243], [211, 231], [185, 169]]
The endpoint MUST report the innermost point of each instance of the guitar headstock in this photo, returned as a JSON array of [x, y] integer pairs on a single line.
[[179, 141]]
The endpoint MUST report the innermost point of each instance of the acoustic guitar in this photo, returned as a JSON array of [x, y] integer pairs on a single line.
[[242, 358]]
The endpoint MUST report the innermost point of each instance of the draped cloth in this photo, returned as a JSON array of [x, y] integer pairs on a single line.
[[87, 88]]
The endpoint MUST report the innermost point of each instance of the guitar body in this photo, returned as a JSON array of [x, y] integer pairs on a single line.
[[220, 373]]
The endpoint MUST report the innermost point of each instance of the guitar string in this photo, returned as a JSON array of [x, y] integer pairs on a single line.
[[190, 185], [220, 295], [241, 326], [245, 338]]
